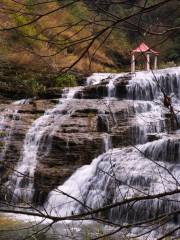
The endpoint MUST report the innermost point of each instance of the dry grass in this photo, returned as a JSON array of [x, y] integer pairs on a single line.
[[26, 51]]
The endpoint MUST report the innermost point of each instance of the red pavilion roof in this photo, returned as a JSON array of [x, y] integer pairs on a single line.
[[144, 48]]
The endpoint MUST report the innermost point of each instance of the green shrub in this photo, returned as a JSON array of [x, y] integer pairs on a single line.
[[28, 85], [2, 134], [34, 87], [27, 30], [167, 64], [1, 144], [65, 80]]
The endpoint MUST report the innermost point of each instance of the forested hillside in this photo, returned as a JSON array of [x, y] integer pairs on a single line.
[[32, 44], [39, 39]]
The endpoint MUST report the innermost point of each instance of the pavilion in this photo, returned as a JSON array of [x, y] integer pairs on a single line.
[[146, 52]]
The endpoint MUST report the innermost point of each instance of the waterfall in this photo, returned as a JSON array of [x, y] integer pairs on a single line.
[[108, 79], [97, 78], [76, 187], [107, 142], [113, 176], [22, 180], [136, 150], [111, 86], [145, 87], [142, 85], [165, 149], [148, 85], [150, 111], [149, 118], [149, 168], [8, 120]]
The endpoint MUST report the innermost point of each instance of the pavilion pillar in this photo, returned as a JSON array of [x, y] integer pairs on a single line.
[[133, 67], [148, 62], [155, 62]]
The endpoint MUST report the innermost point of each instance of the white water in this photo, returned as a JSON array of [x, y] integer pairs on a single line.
[[111, 86], [150, 111], [60, 204], [98, 78], [144, 85], [22, 101], [94, 185], [149, 118], [107, 142], [22, 180], [118, 173], [9, 117]]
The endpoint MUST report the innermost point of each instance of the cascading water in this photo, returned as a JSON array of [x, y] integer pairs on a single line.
[[113, 176], [131, 171], [148, 85], [107, 142], [144, 86], [8, 120], [22, 180], [118, 173], [111, 86], [149, 118]]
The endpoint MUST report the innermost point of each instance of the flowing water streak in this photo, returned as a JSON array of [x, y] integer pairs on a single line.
[[149, 119], [8, 120], [107, 142], [97, 78], [111, 86], [23, 176]]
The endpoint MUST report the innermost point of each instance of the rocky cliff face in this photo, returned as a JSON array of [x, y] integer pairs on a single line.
[[78, 138], [98, 118]]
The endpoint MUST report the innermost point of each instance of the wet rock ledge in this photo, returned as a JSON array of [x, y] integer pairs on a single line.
[[79, 136]]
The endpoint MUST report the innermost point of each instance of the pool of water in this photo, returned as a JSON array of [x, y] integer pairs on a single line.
[[17, 227]]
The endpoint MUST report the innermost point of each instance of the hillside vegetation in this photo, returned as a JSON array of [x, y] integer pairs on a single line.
[[58, 38], [29, 45]]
